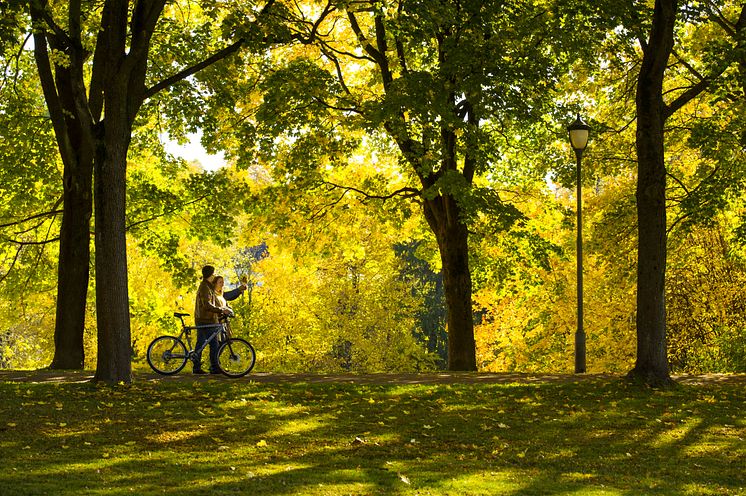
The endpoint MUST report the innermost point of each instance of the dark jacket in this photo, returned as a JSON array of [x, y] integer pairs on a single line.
[[233, 293], [205, 309]]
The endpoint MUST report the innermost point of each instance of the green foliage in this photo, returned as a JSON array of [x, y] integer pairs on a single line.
[[706, 324], [329, 299], [426, 285], [12, 27], [30, 188]]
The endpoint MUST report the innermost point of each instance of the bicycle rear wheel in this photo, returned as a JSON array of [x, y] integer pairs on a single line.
[[167, 355], [236, 357]]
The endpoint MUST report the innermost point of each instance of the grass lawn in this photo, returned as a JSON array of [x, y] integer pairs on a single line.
[[602, 437]]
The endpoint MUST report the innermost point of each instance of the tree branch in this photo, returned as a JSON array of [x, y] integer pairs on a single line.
[[144, 18], [405, 192], [28, 243], [470, 161], [688, 66], [347, 54], [720, 20], [705, 81], [12, 264], [98, 76], [220, 55], [17, 58], [74, 19], [38, 259], [46, 78], [179, 207], [676, 222], [315, 26], [686, 97], [400, 47], [42, 14], [363, 40], [189, 71], [49, 213], [679, 182], [333, 107], [338, 68], [325, 208]]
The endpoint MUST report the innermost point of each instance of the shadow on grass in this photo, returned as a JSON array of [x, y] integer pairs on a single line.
[[219, 437]]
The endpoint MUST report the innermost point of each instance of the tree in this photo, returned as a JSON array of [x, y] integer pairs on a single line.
[[92, 63], [652, 364], [441, 82], [652, 112], [73, 275]]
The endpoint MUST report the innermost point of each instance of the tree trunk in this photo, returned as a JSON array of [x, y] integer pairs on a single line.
[[112, 300], [443, 216], [62, 94], [652, 363], [72, 270]]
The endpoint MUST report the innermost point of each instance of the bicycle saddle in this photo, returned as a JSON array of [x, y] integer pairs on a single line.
[[177, 314]]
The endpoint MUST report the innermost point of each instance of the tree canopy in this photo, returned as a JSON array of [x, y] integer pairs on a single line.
[[396, 158]]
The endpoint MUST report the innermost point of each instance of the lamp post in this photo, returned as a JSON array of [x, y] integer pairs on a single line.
[[578, 132]]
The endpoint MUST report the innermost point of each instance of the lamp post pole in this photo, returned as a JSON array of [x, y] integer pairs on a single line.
[[578, 132], [580, 332]]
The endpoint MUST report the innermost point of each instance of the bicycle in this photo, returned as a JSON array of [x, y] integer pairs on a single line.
[[167, 355]]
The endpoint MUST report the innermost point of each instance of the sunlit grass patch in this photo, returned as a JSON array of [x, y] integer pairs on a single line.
[[236, 437]]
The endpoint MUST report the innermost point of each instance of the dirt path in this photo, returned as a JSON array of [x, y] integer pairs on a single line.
[[71, 376]]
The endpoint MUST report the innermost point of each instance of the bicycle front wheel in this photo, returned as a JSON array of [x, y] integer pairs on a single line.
[[236, 357], [167, 355]]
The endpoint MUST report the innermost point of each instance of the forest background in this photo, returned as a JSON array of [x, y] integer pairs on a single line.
[[353, 276]]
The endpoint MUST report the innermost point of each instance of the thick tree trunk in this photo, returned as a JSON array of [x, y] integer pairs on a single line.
[[652, 363], [73, 271], [121, 93], [62, 93], [112, 301], [443, 216]]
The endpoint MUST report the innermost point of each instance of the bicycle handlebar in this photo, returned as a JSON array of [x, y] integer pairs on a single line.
[[222, 318]]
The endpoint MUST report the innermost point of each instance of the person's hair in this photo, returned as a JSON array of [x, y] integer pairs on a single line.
[[207, 271], [215, 282]]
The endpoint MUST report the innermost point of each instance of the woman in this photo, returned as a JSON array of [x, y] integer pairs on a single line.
[[222, 299]]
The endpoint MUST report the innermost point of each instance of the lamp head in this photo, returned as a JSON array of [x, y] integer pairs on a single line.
[[578, 132]]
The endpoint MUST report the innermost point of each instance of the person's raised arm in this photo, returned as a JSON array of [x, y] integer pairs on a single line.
[[234, 293]]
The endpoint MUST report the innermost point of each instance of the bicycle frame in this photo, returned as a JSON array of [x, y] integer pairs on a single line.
[[185, 335]]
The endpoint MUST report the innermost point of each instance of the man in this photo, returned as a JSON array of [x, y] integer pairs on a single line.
[[206, 313]]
